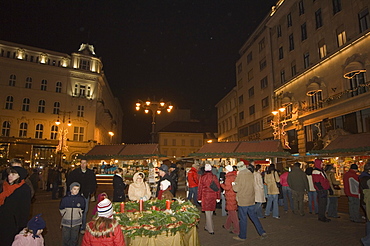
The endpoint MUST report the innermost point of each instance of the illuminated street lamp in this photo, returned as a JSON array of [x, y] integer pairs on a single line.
[[111, 134], [63, 131], [156, 108], [278, 126]]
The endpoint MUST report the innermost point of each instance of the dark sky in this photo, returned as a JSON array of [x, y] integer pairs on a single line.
[[181, 51]]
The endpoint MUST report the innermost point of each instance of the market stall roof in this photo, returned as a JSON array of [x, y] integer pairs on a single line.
[[125, 151], [344, 145], [263, 148]]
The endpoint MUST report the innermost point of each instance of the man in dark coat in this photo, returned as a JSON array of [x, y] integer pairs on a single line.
[[322, 186], [298, 182], [87, 179], [163, 173]]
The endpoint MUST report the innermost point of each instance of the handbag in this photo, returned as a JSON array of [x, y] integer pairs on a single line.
[[213, 186]]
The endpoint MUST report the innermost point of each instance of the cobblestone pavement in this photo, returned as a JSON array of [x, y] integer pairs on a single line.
[[289, 230]]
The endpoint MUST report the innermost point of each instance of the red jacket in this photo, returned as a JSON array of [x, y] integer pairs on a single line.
[[193, 178], [351, 178], [230, 194], [94, 238], [206, 194]]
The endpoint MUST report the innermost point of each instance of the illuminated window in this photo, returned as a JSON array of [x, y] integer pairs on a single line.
[[54, 132], [28, 84], [39, 130], [9, 102], [23, 130], [5, 130], [315, 101], [26, 104], [358, 84], [341, 36], [322, 49], [12, 79], [84, 64], [78, 134], [41, 107]]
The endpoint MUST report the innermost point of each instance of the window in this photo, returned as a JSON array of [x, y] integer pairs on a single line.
[[318, 18], [84, 64], [44, 83], [282, 76], [265, 102], [252, 110], [291, 42], [264, 83], [23, 130], [251, 92], [250, 75], [54, 132], [261, 45], [241, 99], [192, 142], [78, 133], [12, 79], [337, 6], [249, 57], [322, 49], [281, 53], [263, 64], [341, 36], [240, 83], [26, 104], [182, 142], [306, 60], [301, 7], [80, 111], [39, 130], [28, 84], [293, 67], [9, 102], [315, 101], [56, 107], [278, 30], [241, 115], [41, 107], [58, 87], [240, 68], [289, 19], [303, 32], [173, 142], [254, 128], [5, 130], [82, 90], [165, 141], [358, 84], [363, 18]]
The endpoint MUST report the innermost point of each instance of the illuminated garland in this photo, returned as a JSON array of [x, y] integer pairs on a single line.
[[152, 222], [339, 95]]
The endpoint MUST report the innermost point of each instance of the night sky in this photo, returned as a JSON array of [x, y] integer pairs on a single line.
[[181, 51]]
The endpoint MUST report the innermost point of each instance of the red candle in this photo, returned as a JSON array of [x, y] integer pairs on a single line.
[[141, 205], [122, 207], [153, 207], [168, 204]]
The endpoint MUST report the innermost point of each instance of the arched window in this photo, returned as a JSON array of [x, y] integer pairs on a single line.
[[54, 132], [41, 107], [5, 131], [26, 104], [39, 130], [28, 84], [23, 130], [12, 79], [58, 87], [56, 108], [44, 83], [9, 102]]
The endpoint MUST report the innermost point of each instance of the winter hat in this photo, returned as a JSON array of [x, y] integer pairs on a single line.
[[35, 224], [241, 166], [165, 184], [74, 184], [163, 168], [354, 166], [105, 208], [229, 168], [173, 165], [21, 172], [208, 167]]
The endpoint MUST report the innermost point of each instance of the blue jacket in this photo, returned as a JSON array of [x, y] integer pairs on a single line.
[[71, 208]]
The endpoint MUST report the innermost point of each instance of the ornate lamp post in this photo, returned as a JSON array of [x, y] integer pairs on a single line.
[[278, 126], [156, 108], [111, 134], [63, 131]]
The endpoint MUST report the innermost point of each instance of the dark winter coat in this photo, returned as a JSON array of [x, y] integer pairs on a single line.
[[14, 214], [71, 208], [87, 181], [230, 194], [205, 194], [119, 189], [297, 180]]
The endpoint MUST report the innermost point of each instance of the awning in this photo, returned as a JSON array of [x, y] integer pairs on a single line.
[[352, 69], [213, 150], [347, 145], [126, 151]]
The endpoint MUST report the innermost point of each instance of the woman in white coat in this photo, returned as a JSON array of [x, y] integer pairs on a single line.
[[259, 192]]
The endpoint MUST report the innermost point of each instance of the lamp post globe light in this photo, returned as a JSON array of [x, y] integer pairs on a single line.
[[278, 126], [63, 131], [156, 108], [111, 134]]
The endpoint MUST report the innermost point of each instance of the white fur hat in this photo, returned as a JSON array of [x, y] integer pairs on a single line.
[[165, 184], [229, 168], [208, 167]]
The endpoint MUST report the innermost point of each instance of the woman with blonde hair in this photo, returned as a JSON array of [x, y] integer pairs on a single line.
[[139, 189]]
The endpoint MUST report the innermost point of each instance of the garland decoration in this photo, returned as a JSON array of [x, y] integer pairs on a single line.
[[155, 219]]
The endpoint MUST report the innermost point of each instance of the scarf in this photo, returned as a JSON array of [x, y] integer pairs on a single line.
[[8, 190]]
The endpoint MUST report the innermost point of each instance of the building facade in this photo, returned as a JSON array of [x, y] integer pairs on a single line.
[[317, 57], [55, 106]]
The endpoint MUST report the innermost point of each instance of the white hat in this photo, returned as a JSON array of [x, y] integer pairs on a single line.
[[229, 168], [165, 184], [241, 165], [105, 208], [208, 167]]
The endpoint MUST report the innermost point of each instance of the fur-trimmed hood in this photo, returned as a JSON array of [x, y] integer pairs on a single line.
[[102, 232]]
